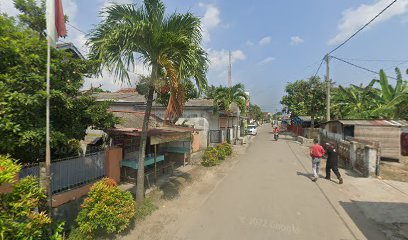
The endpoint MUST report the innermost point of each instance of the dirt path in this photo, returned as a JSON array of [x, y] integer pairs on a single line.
[[178, 198]]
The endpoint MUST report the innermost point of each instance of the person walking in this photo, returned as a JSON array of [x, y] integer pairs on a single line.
[[332, 163], [316, 152]]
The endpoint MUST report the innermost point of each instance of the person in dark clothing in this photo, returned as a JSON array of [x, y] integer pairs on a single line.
[[332, 162]]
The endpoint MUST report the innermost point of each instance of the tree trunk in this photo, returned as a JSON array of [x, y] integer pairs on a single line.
[[140, 191]]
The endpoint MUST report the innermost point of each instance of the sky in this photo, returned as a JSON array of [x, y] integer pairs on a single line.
[[273, 42]]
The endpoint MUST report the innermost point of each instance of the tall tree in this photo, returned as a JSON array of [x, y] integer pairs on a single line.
[[168, 44], [256, 112], [22, 97], [305, 97]]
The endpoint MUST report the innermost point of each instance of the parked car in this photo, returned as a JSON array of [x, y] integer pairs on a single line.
[[251, 130]]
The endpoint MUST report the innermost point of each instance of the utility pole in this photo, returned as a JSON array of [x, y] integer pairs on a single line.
[[328, 85], [230, 70]]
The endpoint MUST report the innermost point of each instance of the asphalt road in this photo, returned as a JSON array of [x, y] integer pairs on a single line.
[[268, 195]]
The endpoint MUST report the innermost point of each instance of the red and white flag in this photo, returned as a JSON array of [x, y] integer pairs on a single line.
[[55, 21]]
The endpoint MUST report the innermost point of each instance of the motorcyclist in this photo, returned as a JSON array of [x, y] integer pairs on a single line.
[[276, 131]]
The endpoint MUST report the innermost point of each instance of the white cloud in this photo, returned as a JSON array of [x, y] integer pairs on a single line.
[[265, 40], [353, 19], [109, 82], [295, 40], [267, 60], [107, 3], [249, 43], [219, 59], [7, 6], [210, 20]]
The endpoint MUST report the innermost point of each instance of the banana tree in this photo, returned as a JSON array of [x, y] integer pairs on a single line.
[[391, 97]]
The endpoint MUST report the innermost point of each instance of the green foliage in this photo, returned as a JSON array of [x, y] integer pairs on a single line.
[[221, 153], [19, 215], [23, 97], [225, 96], [106, 210], [8, 169], [255, 112], [354, 102], [305, 97], [146, 209], [32, 15], [227, 148], [210, 157], [368, 102]]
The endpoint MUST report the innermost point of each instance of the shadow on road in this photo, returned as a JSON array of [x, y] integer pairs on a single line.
[[171, 188], [391, 217]]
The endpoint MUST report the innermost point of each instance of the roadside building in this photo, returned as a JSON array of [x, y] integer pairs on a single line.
[[198, 113], [391, 136]]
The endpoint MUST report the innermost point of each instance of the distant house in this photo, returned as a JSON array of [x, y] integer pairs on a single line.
[[165, 144], [70, 47], [391, 136], [198, 113]]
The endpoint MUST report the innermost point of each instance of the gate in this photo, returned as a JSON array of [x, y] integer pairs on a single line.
[[215, 136]]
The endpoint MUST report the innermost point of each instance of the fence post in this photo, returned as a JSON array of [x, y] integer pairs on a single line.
[[112, 166], [370, 160], [353, 152]]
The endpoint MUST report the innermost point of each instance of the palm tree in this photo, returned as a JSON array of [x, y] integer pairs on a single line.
[[224, 97], [168, 44]]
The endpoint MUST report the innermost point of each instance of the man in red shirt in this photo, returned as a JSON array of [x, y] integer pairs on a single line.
[[316, 152]]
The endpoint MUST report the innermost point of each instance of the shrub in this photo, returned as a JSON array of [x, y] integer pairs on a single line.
[[221, 154], [210, 157], [106, 210], [227, 148], [20, 217]]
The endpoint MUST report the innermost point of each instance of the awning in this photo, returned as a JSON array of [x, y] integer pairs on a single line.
[[179, 136]]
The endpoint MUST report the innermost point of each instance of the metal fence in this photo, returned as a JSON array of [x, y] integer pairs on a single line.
[[71, 172], [215, 136]]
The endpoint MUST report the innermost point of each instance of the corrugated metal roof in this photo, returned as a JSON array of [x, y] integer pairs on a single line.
[[378, 122]]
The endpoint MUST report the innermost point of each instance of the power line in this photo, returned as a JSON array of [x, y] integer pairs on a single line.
[[374, 60], [360, 67], [79, 30], [320, 65], [359, 30]]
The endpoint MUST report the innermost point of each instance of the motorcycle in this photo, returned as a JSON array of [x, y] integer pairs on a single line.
[[276, 136]]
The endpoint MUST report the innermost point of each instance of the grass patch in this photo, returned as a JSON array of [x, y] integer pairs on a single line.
[[145, 210]]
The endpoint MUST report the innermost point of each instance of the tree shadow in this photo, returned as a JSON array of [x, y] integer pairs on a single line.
[[379, 219], [171, 188]]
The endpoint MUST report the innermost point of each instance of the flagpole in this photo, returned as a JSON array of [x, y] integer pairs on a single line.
[[47, 136]]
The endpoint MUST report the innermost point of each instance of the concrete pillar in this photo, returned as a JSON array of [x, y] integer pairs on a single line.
[[353, 151], [370, 160], [112, 166]]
